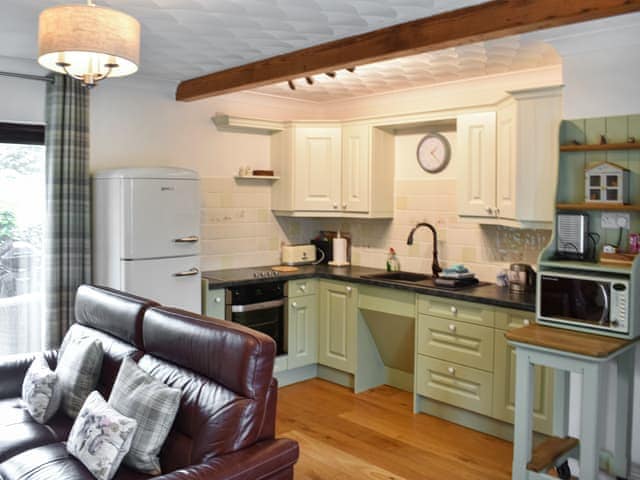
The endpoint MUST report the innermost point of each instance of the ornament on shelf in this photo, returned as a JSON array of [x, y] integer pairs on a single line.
[[606, 182]]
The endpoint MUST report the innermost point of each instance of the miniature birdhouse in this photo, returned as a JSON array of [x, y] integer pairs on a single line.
[[606, 183]]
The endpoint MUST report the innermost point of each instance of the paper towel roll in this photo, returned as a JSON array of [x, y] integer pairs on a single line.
[[339, 250]]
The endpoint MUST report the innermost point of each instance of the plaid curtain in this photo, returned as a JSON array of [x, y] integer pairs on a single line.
[[68, 227]]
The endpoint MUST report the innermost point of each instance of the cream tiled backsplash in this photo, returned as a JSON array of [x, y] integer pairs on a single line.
[[239, 230]]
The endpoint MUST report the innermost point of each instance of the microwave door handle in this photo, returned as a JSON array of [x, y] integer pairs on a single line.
[[605, 310]]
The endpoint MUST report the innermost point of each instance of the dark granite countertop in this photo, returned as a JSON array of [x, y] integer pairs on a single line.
[[489, 294]]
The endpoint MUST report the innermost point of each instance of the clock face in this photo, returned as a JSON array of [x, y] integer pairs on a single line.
[[433, 152]]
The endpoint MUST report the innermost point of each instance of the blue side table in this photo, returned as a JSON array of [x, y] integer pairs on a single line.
[[568, 351]]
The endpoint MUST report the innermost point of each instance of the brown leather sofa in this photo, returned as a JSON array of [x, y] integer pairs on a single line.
[[225, 427]]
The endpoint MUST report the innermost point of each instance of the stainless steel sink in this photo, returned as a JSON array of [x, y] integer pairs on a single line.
[[408, 277]]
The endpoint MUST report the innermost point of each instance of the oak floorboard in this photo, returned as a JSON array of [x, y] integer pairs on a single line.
[[375, 435]]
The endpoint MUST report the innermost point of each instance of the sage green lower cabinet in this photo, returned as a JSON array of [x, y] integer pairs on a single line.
[[454, 341], [337, 325], [302, 342], [505, 377], [454, 384], [212, 301]]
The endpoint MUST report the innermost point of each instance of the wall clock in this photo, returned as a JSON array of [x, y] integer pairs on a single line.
[[434, 152]]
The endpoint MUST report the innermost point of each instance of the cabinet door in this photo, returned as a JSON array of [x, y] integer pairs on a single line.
[[212, 301], [355, 168], [337, 326], [317, 161], [302, 331], [504, 388], [477, 164], [506, 161]]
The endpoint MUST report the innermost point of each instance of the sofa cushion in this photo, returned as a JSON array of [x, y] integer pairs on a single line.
[[41, 392], [223, 370], [20, 432], [54, 462], [154, 405], [111, 311], [101, 437], [78, 369]]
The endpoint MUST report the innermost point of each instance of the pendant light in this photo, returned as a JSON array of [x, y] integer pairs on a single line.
[[88, 42]]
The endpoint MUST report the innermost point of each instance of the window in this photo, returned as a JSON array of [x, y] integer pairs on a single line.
[[22, 217]]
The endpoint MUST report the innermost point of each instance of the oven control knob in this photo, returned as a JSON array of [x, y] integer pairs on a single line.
[[276, 274], [256, 274]]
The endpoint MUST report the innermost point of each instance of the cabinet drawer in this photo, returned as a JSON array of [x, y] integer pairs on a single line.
[[456, 310], [508, 318], [455, 341], [298, 288], [455, 385]]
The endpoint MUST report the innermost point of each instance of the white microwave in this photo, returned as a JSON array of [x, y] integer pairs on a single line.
[[588, 302]]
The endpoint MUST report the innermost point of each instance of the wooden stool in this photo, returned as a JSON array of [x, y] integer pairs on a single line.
[[568, 351]]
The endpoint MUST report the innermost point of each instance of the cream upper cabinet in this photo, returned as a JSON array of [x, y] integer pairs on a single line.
[[476, 164], [355, 168], [318, 168], [508, 160], [333, 170]]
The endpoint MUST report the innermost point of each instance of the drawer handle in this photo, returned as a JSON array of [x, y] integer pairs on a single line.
[[526, 322], [218, 300], [187, 273], [452, 328], [451, 370], [294, 305], [454, 310]]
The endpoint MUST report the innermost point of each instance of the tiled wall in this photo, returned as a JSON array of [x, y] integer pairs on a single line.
[[484, 249], [237, 226]]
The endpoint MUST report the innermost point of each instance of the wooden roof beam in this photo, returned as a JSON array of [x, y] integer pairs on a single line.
[[486, 21]]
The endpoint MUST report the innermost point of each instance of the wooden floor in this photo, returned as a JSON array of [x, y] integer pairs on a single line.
[[375, 435]]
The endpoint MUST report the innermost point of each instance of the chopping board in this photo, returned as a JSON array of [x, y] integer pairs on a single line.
[[284, 269]]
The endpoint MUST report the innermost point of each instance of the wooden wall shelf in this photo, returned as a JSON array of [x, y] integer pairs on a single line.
[[596, 148], [615, 207]]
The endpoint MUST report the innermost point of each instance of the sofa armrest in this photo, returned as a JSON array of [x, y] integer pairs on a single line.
[[260, 461], [13, 369]]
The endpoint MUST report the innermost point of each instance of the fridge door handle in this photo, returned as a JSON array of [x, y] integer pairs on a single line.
[[187, 273], [189, 239]]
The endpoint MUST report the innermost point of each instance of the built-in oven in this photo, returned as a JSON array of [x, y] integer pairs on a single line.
[[261, 307], [597, 302]]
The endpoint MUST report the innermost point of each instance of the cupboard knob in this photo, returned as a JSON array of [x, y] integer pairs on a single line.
[[217, 300], [344, 206], [451, 370], [335, 205], [303, 288], [454, 310], [294, 305], [349, 289], [452, 328], [526, 322], [489, 210], [497, 212]]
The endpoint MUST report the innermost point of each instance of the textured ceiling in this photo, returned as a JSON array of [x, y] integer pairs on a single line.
[[182, 39], [485, 58]]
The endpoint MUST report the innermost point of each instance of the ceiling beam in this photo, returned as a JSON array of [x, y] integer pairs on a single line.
[[486, 21]]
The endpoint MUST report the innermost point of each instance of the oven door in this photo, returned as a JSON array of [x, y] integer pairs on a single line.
[[574, 299], [266, 317]]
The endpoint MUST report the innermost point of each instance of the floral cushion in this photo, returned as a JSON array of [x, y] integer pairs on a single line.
[[100, 437], [78, 369], [41, 392], [154, 405]]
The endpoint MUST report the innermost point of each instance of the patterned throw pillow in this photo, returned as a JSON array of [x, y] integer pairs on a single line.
[[100, 437], [41, 391], [78, 370], [153, 405]]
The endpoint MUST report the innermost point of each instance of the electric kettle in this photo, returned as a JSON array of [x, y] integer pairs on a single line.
[[522, 278]]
